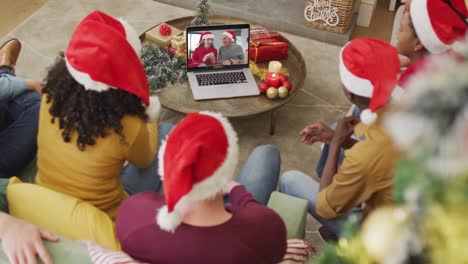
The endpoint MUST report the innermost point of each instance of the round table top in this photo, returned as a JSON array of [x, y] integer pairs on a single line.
[[179, 98]]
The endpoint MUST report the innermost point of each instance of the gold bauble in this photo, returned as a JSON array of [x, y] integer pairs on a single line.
[[283, 92], [272, 93], [381, 231]]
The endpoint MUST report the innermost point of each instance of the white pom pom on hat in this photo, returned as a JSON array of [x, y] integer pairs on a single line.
[[368, 117], [168, 221]]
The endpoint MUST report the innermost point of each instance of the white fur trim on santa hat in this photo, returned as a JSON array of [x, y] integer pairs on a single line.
[[208, 36], [154, 109], [422, 25], [368, 117], [85, 80], [353, 83], [168, 221], [229, 35], [397, 93], [162, 149], [132, 36], [215, 183]]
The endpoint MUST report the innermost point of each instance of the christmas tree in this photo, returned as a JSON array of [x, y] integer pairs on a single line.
[[162, 68], [201, 13], [428, 222]]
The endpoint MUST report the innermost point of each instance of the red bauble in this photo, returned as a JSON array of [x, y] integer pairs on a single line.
[[165, 30], [263, 87], [272, 80], [288, 85], [283, 78]]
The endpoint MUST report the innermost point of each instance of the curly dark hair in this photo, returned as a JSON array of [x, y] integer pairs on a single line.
[[91, 114]]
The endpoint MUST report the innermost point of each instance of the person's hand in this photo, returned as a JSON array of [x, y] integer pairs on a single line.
[[344, 129], [205, 57], [317, 132], [235, 61], [404, 61], [22, 241], [34, 85], [228, 188], [227, 62]]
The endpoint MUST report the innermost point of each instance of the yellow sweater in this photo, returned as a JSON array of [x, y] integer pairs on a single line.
[[93, 175]]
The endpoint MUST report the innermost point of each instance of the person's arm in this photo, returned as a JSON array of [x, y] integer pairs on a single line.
[[145, 146], [196, 55], [22, 241], [238, 195], [343, 132], [241, 55]]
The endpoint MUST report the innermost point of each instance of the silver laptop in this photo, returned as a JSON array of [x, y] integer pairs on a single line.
[[218, 62]]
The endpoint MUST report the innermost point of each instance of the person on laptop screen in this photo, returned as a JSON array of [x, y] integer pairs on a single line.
[[230, 53], [206, 54]]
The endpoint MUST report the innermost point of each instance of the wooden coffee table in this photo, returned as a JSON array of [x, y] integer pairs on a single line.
[[179, 98]]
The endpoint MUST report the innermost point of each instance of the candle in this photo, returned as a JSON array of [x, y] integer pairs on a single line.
[[275, 66], [272, 80]]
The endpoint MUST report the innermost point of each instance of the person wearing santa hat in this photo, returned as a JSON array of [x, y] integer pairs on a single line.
[[206, 54], [431, 27], [230, 53], [190, 223], [368, 70], [97, 114]]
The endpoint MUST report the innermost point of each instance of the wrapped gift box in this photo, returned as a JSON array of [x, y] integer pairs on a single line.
[[153, 36], [178, 42], [268, 49], [260, 33]]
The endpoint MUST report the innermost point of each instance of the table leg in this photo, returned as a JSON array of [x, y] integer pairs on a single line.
[[272, 123]]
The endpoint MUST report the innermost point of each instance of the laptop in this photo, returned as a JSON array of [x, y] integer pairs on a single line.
[[218, 62]]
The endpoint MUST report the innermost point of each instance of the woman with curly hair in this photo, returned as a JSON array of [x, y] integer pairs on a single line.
[[97, 115]]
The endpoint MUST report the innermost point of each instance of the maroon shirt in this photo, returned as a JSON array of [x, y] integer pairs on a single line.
[[255, 234]]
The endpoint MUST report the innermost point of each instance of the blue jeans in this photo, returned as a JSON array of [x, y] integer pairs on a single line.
[[301, 185], [137, 180], [18, 131], [260, 172]]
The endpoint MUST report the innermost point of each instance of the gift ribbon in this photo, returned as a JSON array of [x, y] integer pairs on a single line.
[[259, 43]]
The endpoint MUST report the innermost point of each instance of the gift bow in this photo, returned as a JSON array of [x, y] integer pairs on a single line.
[[257, 44]]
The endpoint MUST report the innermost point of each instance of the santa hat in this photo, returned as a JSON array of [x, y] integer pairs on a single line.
[[369, 68], [103, 54], [438, 26], [230, 34], [197, 160], [206, 35]]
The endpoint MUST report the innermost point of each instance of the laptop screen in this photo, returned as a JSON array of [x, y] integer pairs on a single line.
[[225, 46]]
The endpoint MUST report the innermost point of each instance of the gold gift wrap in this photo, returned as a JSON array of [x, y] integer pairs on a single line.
[[153, 36], [178, 42]]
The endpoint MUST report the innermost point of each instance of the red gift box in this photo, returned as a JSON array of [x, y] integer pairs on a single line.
[[268, 49], [259, 33]]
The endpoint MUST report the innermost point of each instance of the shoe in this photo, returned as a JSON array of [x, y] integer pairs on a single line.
[[9, 52], [327, 234]]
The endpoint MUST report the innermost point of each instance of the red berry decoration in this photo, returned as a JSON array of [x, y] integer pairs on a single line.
[[165, 30], [283, 78], [263, 87], [288, 85]]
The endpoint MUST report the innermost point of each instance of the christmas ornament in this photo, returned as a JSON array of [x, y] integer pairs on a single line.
[[272, 93], [165, 30], [287, 84], [382, 231], [283, 78], [283, 92], [263, 87], [272, 80]]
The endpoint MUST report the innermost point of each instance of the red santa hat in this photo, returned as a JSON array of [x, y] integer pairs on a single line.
[[103, 54], [206, 35], [230, 34], [197, 160], [369, 68], [437, 25]]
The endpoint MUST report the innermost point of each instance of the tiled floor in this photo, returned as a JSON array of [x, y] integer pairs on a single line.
[[321, 99]]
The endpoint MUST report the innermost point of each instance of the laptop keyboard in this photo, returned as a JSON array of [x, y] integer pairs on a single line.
[[221, 78]]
